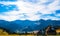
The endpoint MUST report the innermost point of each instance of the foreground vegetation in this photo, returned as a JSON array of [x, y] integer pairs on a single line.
[[3, 32], [28, 35]]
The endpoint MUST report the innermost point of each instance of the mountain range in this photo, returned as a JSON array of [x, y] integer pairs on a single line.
[[26, 25]]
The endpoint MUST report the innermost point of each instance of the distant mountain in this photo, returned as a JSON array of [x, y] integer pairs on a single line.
[[4, 23], [28, 25]]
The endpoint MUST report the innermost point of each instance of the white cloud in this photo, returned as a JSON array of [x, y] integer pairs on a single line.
[[50, 17], [54, 6], [8, 18], [28, 11]]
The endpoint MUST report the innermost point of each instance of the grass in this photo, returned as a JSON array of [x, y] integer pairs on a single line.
[[28, 35]]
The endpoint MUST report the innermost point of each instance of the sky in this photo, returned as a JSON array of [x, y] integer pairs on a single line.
[[33, 10]]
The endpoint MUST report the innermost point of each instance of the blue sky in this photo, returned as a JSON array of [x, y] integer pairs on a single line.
[[29, 10]]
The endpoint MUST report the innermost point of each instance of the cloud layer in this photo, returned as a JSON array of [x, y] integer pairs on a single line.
[[30, 10]]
